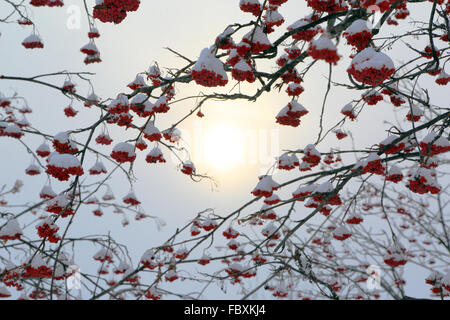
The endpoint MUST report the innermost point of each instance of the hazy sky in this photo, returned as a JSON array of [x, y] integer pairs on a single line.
[[129, 48]]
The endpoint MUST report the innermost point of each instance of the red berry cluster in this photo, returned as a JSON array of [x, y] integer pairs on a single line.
[[372, 99], [253, 8], [306, 35], [291, 117], [432, 149], [333, 201], [46, 230], [419, 184], [153, 137], [428, 53], [33, 45], [47, 3], [92, 59], [187, 169], [154, 159], [118, 108], [208, 78], [327, 5], [354, 220], [374, 167], [328, 55], [39, 272], [141, 145], [131, 201], [103, 139], [70, 111], [64, 147], [394, 178], [63, 174], [395, 263], [294, 91], [342, 237], [291, 75], [393, 149], [443, 80], [383, 5], [63, 212], [230, 233], [341, 135], [396, 100], [241, 75]]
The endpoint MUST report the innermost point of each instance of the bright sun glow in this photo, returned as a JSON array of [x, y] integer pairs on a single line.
[[224, 147]]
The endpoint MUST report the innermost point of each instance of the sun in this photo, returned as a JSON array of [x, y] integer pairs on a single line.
[[224, 147]]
